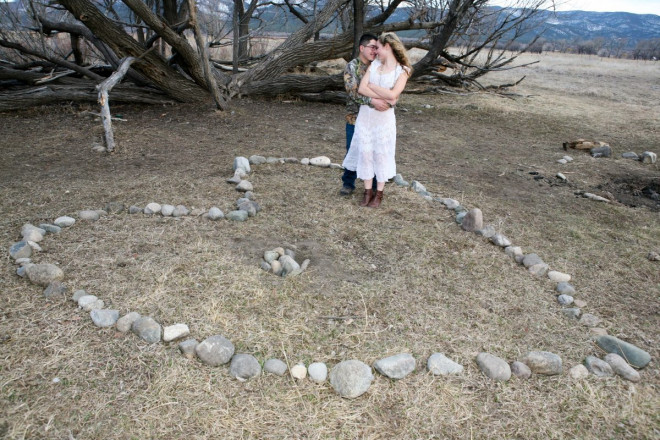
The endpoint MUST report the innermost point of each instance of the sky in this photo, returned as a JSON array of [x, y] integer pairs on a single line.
[[634, 6]]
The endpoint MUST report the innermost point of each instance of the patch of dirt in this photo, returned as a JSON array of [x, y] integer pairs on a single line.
[[634, 191]]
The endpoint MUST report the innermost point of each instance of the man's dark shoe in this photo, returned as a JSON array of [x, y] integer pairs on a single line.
[[346, 191]]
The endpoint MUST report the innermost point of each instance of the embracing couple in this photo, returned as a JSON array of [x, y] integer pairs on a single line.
[[374, 80]]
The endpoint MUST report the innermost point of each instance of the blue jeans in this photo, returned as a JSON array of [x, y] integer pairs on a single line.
[[349, 176]]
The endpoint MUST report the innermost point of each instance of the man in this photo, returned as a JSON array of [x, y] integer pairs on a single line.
[[353, 74]]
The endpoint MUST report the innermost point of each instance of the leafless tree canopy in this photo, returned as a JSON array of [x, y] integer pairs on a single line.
[[61, 50]]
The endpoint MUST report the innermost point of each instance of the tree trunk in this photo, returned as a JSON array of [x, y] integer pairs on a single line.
[[358, 25]]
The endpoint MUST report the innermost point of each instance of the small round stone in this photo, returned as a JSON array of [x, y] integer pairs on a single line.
[[299, 371], [244, 366], [520, 370], [578, 372], [275, 366], [104, 317], [318, 372]]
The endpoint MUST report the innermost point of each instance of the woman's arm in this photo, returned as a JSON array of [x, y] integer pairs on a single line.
[[394, 92], [364, 87]]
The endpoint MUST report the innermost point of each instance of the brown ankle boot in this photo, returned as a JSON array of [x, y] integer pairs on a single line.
[[368, 194], [375, 202]]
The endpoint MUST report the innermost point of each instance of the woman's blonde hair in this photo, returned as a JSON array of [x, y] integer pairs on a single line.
[[398, 49]]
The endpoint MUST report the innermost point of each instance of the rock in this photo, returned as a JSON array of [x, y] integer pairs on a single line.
[[604, 151], [538, 270], [318, 372], [565, 289], [305, 264], [270, 256], [257, 160], [104, 317], [562, 161], [276, 267], [125, 323], [64, 221], [23, 261], [265, 266], [215, 350], [460, 216], [180, 211], [531, 260], [77, 295], [590, 320], [543, 362], [152, 208], [35, 247], [275, 366], [568, 158], [21, 271], [88, 215], [114, 208], [418, 187], [237, 216], [299, 371], [272, 160], [579, 303], [595, 197], [90, 302], [32, 233], [621, 367], [244, 185], [630, 155], [634, 355], [649, 157], [244, 366], [56, 288], [561, 177], [653, 256], [174, 332], [351, 379], [290, 252], [43, 274], [398, 180], [440, 365], [578, 372], [279, 250], [493, 367], [187, 348], [320, 161], [565, 300], [396, 367], [288, 265], [488, 231], [196, 212], [242, 162], [304, 161], [598, 367], [559, 277], [248, 195], [473, 220], [215, 213], [147, 328], [248, 207], [20, 250], [500, 240], [133, 209], [336, 166], [451, 203], [50, 229], [520, 370], [167, 210], [235, 179], [513, 251], [573, 313]]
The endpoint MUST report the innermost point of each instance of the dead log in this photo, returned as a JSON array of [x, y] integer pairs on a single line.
[[103, 89]]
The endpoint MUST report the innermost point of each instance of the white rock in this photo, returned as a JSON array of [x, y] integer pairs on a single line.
[[174, 332], [596, 198], [90, 302], [244, 185], [167, 210], [559, 277], [318, 372], [304, 161], [64, 221], [649, 157], [568, 158], [152, 208], [578, 372], [560, 176], [35, 247], [562, 161], [88, 215], [320, 161], [299, 371]]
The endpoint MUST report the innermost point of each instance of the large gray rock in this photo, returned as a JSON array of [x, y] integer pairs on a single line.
[[44, 274], [275, 366], [543, 362], [441, 365], [532, 260], [215, 213], [351, 378], [242, 162], [494, 367], [244, 366], [288, 265], [473, 220], [598, 367], [125, 323], [104, 317], [397, 366], [257, 160], [20, 250], [237, 216], [148, 329], [215, 350], [635, 356], [88, 215], [318, 372], [621, 367]]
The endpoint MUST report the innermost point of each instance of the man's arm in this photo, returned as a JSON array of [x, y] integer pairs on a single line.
[[352, 85]]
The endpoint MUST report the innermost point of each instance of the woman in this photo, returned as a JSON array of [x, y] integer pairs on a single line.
[[374, 142]]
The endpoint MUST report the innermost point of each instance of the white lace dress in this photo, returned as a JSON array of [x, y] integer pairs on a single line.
[[374, 141]]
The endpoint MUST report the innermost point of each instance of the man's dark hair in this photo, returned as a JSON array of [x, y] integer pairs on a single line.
[[366, 38]]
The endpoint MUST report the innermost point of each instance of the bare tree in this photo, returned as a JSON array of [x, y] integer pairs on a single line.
[[97, 34]]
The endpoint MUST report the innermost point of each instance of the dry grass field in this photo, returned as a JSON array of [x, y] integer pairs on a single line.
[[403, 278]]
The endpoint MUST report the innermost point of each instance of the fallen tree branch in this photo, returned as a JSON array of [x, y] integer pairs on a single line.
[[103, 89]]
